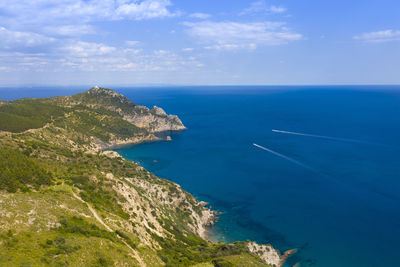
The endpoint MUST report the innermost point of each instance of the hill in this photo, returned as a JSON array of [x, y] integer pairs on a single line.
[[66, 201]]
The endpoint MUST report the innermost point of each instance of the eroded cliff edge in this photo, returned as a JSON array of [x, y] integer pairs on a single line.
[[64, 200]]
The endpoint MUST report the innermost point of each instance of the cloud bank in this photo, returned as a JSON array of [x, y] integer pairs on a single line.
[[379, 36], [237, 35], [262, 7]]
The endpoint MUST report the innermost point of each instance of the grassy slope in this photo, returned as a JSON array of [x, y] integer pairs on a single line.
[[42, 223], [32, 233], [24, 114]]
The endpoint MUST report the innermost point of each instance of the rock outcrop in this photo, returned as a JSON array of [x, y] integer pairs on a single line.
[[155, 120], [97, 206], [269, 254]]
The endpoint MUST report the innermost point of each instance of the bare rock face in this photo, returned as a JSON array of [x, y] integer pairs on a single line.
[[150, 209], [154, 120], [159, 111], [161, 202], [266, 252], [269, 254]]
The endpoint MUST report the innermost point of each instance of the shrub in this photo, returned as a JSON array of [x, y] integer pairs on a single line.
[[17, 171]]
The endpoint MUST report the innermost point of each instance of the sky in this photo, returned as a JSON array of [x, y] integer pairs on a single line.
[[199, 42]]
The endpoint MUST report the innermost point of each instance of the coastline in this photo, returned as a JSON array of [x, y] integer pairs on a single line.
[[152, 137], [209, 216], [152, 208]]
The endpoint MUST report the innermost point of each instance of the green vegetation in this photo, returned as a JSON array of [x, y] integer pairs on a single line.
[[17, 171], [64, 202], [57, 237], [77, 225], [99, 123], [191, 249], [104, 97], [24, 114], [50, 248]]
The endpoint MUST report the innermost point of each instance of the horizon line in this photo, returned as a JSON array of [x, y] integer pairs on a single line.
[[188, 85]]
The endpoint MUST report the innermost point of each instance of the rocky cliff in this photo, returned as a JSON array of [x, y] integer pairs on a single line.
[[153, 120], [64, 201]]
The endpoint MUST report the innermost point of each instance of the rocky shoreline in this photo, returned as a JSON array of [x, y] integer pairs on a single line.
[[153, 210], [209, 217]]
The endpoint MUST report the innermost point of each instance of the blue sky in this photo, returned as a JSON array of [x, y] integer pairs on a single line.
[[203, 42]]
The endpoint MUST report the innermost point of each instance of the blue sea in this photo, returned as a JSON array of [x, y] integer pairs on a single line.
[[327, 182]]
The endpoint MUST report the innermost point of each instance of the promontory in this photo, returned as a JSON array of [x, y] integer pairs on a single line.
[[65, 200]]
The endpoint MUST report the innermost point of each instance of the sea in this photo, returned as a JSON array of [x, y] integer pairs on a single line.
[[315, 168]]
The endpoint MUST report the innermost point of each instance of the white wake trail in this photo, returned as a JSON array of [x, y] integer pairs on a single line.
[[287, 158], [320, 136]]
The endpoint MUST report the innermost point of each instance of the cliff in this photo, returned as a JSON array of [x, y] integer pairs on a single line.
[[66, 201]]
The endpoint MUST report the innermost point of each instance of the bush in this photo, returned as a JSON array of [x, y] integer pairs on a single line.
[[17, 171], [127, 239], [24, 114], [221, 263], [77, 225]]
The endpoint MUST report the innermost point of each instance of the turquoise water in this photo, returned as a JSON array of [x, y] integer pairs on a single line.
[[337, 201], [343, 210]]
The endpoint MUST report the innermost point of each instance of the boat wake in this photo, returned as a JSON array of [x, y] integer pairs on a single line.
[[287, 158], [321, 136]]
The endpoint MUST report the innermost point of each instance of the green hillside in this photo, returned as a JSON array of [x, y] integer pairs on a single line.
[[64, 201]]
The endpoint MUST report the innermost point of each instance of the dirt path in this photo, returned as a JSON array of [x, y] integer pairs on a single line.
[[135, 254], [94, 213]]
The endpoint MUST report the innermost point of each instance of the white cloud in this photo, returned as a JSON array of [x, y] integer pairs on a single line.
[[72, 18], [132, 43], [379, 36], [46, 36], [5, 69], [130, 51], [55, 28], [70, 30], [86, 49], [160, 52], [70, 55], [188, 49], [147, 9], [11, 40], [200, 16], [277, 9], [36, 11], [231, 47], [235, 35], [262, 7]]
